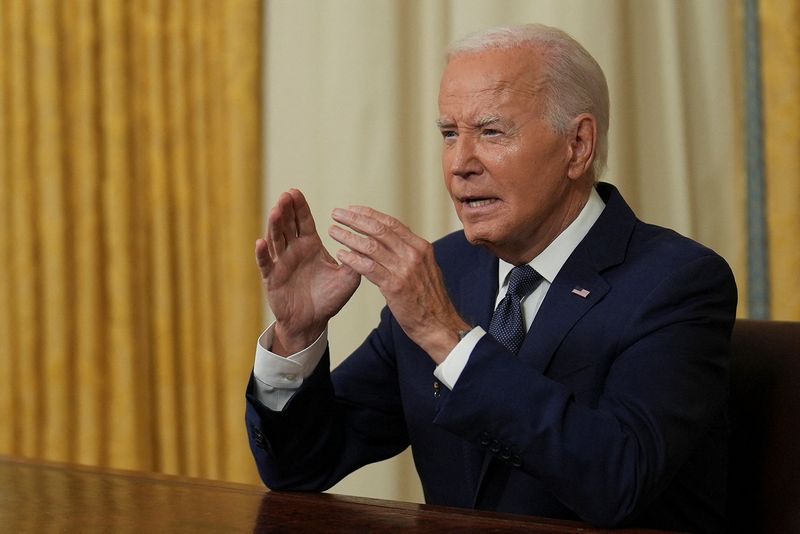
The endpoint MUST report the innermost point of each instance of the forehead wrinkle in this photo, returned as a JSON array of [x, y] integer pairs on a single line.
[[497, 94], [522, 85], [476, 116]]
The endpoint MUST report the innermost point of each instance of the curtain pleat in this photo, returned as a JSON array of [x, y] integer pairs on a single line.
[[6, 370], [177, 127], [54, 264], [130, 196], [80, 130], [24, 293], [780, 35]]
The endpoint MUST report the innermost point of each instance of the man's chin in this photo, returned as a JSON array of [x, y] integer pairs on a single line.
[[491, 243], [478, 239]]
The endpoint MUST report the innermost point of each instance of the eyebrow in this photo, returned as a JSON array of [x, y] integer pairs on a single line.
[[482, 122], [486, 121], [444, 123]]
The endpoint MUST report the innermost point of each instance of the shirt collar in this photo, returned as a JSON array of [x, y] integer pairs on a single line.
[[552, 258]]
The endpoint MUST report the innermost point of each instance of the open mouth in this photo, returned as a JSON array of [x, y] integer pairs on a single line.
[[478, 202]]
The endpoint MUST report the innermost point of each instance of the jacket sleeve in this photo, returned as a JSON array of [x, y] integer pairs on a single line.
[[335, 423]]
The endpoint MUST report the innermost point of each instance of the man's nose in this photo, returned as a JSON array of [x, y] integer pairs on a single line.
[[465, 162]]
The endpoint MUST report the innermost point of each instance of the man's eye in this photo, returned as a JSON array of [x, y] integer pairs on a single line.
[[491, 132], [448, 134]]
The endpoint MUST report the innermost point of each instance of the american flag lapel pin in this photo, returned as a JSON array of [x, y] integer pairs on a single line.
[[582, 293]]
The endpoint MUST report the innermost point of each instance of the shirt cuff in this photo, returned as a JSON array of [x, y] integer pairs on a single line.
[[277, 378], [450, 369]]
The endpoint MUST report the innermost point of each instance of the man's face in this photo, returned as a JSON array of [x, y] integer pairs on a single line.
[[504, 166]]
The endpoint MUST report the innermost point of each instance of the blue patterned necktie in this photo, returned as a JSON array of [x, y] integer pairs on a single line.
[[508, 324]]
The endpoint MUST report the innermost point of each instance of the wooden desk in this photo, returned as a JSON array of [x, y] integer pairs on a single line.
[[45, 497]]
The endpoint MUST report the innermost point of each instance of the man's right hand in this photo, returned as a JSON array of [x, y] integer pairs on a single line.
[[304, 284]]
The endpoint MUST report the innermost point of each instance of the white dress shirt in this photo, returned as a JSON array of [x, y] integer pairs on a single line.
[[277, 378]]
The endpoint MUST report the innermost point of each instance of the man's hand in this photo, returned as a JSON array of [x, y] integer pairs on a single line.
[[403, 267], [305, 286]]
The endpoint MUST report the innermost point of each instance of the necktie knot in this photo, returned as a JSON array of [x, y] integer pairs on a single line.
[[508, 325], [523, 280]]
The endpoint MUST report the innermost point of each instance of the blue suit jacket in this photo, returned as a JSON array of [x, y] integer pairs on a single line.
[[614, 410]]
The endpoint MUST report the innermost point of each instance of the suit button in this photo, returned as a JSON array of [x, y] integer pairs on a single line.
[[485, 438], [505, 454], [515, 460], [495, 446], [258, 438]]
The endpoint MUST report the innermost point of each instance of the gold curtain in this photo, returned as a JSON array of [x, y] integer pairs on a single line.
[[129, 203], [780, 52]]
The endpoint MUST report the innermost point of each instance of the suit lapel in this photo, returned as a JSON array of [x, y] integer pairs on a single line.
[[560, 311], [567, 299]]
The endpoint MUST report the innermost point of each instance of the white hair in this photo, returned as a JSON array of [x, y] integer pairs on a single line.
[[574, 81]]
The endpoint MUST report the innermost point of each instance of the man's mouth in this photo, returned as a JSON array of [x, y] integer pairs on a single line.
[[478, 202]]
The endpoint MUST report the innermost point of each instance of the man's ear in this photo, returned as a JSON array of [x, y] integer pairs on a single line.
[[582, 144]]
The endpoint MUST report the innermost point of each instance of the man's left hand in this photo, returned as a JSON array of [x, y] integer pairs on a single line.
[[388, 254]]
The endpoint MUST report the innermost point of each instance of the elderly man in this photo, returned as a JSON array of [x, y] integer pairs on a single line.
[[557, 357]]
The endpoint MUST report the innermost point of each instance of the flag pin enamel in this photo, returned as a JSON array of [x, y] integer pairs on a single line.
[[582, 293]]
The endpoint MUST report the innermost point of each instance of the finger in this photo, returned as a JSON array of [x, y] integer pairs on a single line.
[[385, 228], [367, 225], [403, 231], [277, 241], [366, 267], [282, 227], [271, 247], [304, 220], [397, 243], [263, 259], [364, 245], [289, 218]]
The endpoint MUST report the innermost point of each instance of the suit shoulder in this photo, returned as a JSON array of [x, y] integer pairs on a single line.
[[454, 253], [453, 243], [667, 245], [656, 253]]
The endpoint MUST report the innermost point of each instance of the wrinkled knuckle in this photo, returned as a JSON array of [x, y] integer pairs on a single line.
[[380, 229], [369, 265], [371, 246]]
